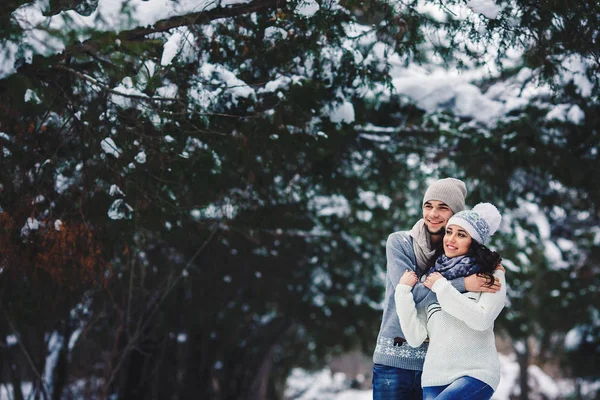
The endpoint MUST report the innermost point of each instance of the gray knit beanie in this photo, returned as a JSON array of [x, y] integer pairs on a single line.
[[451, 191], [481, 222]]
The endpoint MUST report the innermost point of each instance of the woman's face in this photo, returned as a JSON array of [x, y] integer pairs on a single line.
[[456, 241]]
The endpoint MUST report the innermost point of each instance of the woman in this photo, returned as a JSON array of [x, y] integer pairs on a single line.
[[462, 361]]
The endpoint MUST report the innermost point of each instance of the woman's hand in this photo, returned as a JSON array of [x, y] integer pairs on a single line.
[[431, 279], [409, 278]]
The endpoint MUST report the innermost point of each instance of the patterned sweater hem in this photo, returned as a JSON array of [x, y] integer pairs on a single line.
[[404, 356]]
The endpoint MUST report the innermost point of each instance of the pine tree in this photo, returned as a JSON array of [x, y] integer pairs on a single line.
[[206, 199]]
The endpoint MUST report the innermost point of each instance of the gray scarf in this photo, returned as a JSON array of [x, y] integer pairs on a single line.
[[452, 268], [421, 245]]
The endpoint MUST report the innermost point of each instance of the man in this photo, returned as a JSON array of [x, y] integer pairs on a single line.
[[397, 366]]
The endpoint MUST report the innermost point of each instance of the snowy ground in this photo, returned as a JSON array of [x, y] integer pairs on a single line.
[[324, 385]]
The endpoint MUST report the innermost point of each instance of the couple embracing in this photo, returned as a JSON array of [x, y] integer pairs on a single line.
[[444, 290]]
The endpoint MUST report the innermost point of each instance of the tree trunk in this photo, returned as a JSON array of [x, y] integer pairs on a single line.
[[136, 364], [197, 380], [60, 372], [16, 383], [260, 385], [62, 365], [523, 360]]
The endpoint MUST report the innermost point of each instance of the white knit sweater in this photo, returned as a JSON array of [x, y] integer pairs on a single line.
[[460, 328]]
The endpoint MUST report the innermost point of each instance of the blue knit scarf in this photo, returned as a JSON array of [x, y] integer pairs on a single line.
[[455, 267]]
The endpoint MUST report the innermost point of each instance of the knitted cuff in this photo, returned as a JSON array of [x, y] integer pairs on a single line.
[[439, 284], [402, 288]]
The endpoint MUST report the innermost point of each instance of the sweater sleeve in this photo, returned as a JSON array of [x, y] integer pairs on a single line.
[[479, 315], [459, 284], [415, 331], [397, 249]]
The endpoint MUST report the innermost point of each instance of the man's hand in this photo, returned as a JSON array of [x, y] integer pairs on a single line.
[[431, 279], [477, 283], [409, 278]]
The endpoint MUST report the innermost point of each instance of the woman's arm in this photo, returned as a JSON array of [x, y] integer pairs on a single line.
[[399, 248], [479, 315], [413, 328]]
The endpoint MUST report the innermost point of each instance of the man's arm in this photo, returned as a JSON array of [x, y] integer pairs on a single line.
[[477, 283], [398, 261], [471, 283], [397, 251]]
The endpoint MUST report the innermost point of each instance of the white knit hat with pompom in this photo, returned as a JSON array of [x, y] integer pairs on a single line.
[[481, 222]]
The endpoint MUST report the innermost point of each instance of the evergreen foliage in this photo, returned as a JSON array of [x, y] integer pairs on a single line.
[[191, 209]]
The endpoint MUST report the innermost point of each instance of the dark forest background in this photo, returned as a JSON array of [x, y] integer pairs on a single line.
[[197, 228]]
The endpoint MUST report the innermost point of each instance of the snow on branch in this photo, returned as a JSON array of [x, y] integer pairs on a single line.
[[104, 87], [202, 17]]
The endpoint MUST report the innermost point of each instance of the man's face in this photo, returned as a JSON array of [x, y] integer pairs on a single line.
[[436, 214]]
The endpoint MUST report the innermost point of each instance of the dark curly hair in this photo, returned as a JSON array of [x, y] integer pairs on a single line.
[[487, 259]]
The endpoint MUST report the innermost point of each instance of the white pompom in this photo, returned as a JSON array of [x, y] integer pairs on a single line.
[[490, 213]]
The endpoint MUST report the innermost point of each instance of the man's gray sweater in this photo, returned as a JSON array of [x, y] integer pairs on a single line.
[[389, 350]]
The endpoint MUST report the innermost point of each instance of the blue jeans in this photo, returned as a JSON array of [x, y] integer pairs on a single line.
[[462, 388], [391, 383]]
